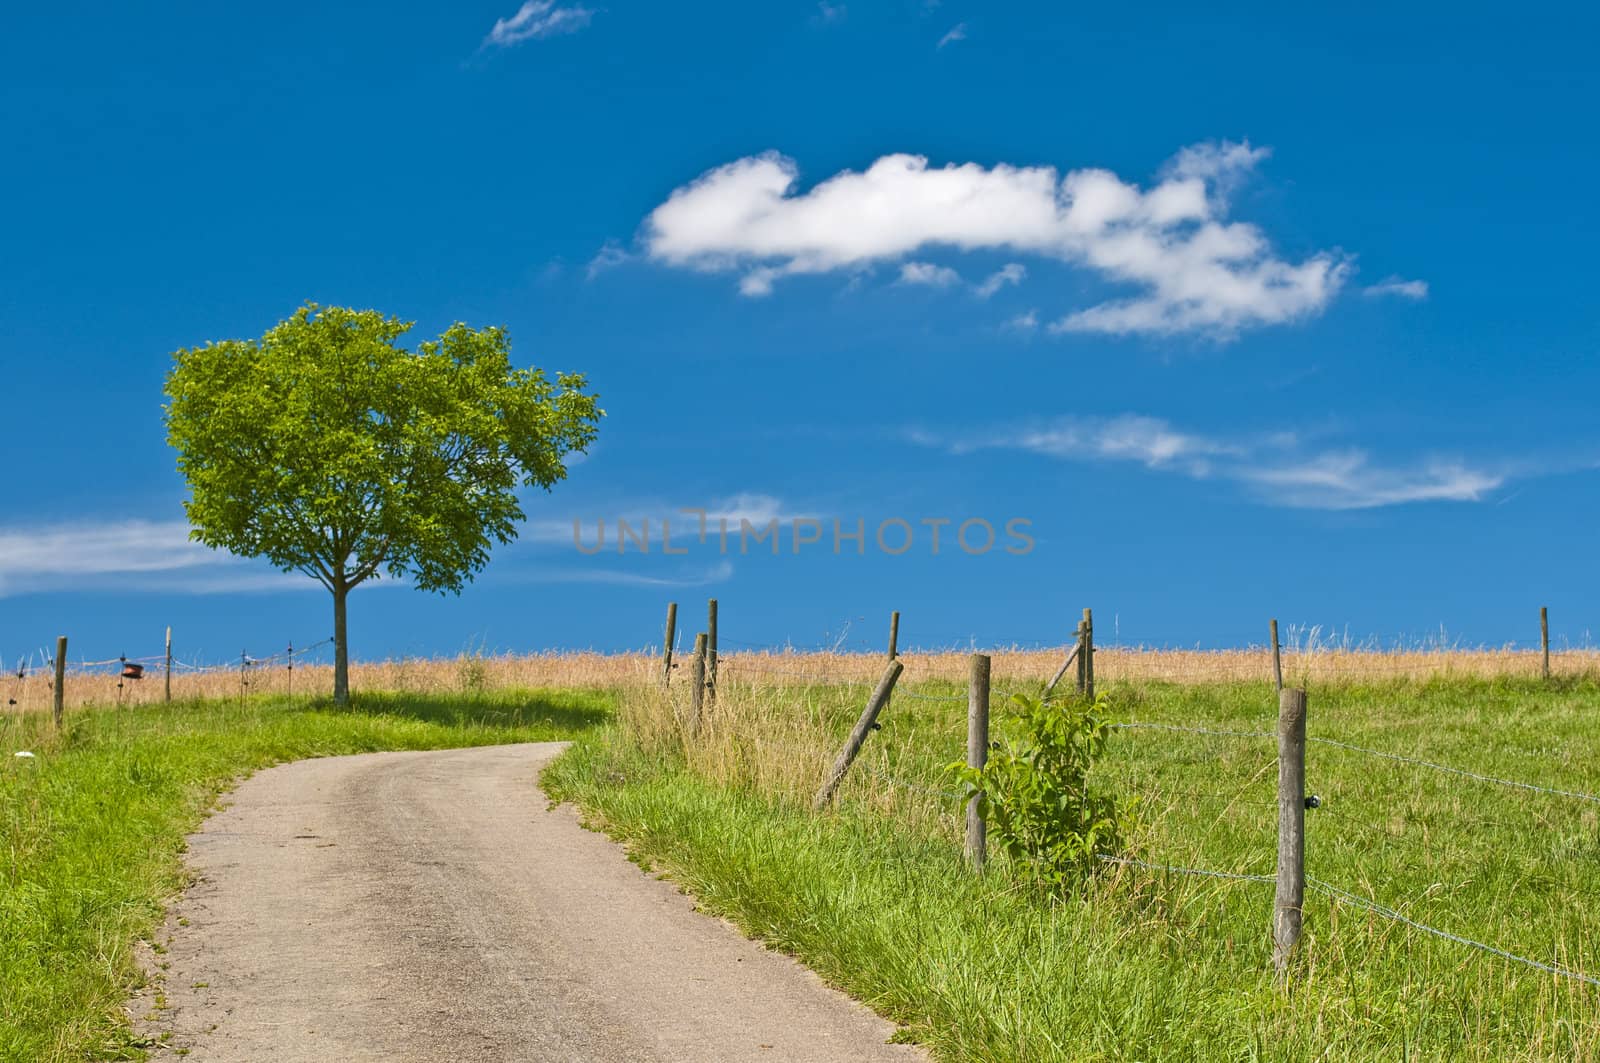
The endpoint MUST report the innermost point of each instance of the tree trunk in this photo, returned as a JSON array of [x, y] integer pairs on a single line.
[[341, 648]]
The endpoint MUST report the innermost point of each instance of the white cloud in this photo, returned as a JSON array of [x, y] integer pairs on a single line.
[[1010, 273], [610, 256], [1026, 323], [134, 555], [1349, 480], [958, 32], [1190, 269], [1395, 286], [1276, 467], [929, 274], [1221, 164], [537, 19], [753, 507]]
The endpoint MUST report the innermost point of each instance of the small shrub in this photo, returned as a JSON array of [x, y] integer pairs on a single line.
[[1034, 791]]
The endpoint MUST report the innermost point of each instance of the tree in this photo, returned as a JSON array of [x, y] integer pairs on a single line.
[[329, 449]]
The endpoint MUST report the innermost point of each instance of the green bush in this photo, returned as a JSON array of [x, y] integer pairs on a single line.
[[1034, 791]]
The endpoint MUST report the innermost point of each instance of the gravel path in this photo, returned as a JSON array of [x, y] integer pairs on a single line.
[[428, 906]]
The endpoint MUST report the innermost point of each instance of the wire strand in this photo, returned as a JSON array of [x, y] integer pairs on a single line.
[[1390, 913], [1199, 872], [1455, 771]]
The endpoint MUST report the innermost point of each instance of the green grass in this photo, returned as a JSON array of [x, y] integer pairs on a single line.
[[91, 830], [1147, 965]]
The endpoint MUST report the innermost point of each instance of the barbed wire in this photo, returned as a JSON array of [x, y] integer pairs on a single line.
[[1141, 725], [909, 785], [1199, 872], [1454, 771], [1390, 913], [25, 664]]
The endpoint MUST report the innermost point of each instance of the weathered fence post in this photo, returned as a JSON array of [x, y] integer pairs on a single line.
[[894, 634], [977, 755], [697, 694], [289, 654], [852, 746], [1277, 659], [1291, 892], [1086, 655], [169, 664], [666, 646], [711, 649], [61, 680], [1072, 655], [1077, 653], [1544, 637]]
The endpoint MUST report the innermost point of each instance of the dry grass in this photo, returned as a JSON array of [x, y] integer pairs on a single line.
[[470, 672]]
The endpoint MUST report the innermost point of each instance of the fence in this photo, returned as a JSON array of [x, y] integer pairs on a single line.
[[1086, 664], [46, 677]]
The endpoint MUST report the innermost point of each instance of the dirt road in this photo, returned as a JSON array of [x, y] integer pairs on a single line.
[[428, 906]]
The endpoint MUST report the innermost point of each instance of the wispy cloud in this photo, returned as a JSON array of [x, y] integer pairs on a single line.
[[929, 274], [610, 256], [1027, 323], [126, 555], [829, 14], [689, 577], [1396, 286], [757, 508], [1191, 270], [958, 32], [1351, 480], [1010, 273], [1278, 467], [537, 19]]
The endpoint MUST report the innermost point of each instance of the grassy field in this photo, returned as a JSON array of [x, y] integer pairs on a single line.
[[1145, 964], [92, 828], [1310, 657], [1148, 964]]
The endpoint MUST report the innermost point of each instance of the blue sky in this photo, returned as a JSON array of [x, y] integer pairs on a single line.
[[1253, 313]]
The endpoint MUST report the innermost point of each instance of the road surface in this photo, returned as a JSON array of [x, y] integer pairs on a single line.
[[430, 906]]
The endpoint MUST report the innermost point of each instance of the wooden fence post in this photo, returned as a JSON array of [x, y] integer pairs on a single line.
[[666, 650], [711, 649], [1077, 653], [1277, 659], [1291, 892], [169, 664], [894, 634], [1086, 656], [977, 755], [852, 746], [1544, 638], [697, 694], [289, 653], [1072, 655], [61, 680], [698, 690]]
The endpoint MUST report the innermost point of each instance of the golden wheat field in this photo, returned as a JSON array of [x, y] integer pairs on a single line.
[[32, 689]]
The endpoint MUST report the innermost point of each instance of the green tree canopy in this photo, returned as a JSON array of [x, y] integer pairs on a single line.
[[329, 449]]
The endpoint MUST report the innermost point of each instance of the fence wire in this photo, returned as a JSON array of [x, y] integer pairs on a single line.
[[1576, 795], [1198, 872], [1194, 665], [1130, 725], [1389, 913]]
